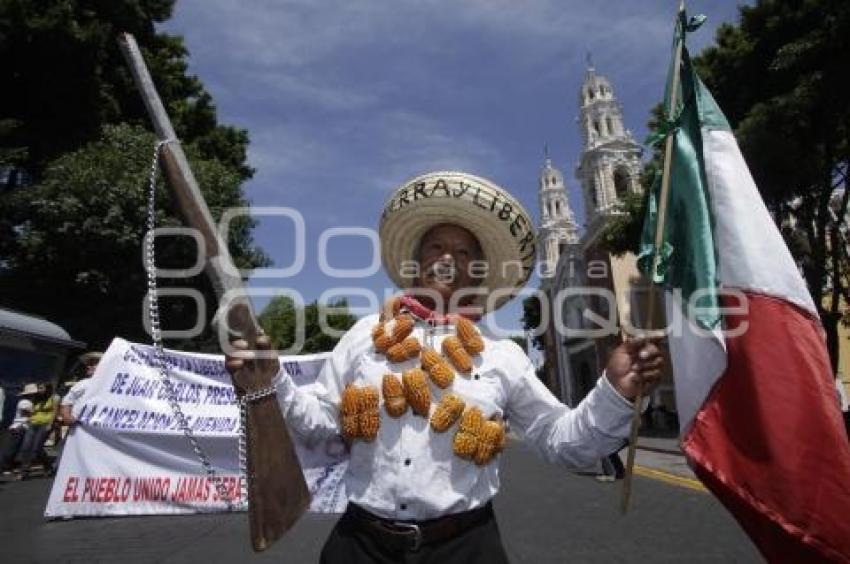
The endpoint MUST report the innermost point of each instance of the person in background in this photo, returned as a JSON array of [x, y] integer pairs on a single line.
[[17, 430], [612, 466], [66, 407], [41, 420]]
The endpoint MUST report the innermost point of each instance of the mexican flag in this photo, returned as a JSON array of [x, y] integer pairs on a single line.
[[761, 425]]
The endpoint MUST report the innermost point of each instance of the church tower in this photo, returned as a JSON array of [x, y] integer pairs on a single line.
[[609, 165], [557, 223]]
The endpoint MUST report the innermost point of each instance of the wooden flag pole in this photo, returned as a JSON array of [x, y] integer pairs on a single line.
[[656, 257], [277, 491]]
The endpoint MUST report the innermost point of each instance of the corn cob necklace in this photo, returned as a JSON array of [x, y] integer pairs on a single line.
[[477, 439]]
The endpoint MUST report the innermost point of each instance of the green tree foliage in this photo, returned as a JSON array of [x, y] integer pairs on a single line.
[[621, 233], [781, 78], [281, 317], [71, 117], [64, 78], [76, 254]]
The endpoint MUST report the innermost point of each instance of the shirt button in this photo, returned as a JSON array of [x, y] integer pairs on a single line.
[[476, 376], [407, 462]]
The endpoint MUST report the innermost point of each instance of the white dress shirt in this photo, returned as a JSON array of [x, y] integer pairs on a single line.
[[409, 472]]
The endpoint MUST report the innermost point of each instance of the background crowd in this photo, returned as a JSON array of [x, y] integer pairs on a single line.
[[32, 437]]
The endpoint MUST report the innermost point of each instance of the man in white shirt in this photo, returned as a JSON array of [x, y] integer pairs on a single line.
[[72, 397], [66, 406], [424, 449], [17, 430]]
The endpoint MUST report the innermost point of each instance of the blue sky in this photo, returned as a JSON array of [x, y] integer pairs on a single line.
[[346, 100]]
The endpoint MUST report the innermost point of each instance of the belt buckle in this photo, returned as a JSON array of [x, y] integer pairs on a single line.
[[414, 528]]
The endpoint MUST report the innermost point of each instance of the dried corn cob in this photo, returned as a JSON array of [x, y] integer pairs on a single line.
[[394, 400], [402, 327], [350, 403], [490, 439], [359, 408], [458, 356], [416, 391], [442, 375], [469, 336], [447, 412], [349, 406], [383, 342], [369, 399], [465, 443], [350, 426], [369, 422], [437, 368], [474, 345], [405, 350], [471, 421], [412, 347], [430, 357]]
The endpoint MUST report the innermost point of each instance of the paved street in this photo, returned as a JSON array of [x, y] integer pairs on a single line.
[[546, 516]]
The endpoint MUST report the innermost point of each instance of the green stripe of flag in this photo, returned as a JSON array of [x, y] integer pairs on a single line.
[[688, 260]]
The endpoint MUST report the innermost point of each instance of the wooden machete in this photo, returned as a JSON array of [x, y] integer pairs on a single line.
[[277, 492]]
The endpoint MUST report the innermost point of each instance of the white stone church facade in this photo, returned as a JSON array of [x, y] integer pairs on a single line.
[[608, 169]]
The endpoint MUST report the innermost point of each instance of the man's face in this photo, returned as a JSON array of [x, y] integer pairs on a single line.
[[445, 252]]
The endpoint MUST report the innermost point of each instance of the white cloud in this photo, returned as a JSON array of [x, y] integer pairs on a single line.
[[392, 146], [279, 48]]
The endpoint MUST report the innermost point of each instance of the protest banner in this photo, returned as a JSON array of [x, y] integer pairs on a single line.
[[128, 456]]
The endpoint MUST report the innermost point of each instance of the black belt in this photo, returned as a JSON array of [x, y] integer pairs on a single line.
[[406, 536]]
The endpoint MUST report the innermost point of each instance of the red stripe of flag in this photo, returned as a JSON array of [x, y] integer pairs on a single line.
[[770, 442]]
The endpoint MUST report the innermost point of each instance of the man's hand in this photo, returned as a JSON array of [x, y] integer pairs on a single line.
[[249, 372], [277, 491], [66, 415], [635, 362]]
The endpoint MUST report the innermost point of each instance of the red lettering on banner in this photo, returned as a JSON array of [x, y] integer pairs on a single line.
[[101, 483], [151, 489], [125, 489], [232, 488], [87, 488], [109, 490], [191, 488], [70, 495], [114, 489]]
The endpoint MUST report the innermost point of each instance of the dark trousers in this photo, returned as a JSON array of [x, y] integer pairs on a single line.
[[32, 445], [350, 544], [12, 439], [613, 466]]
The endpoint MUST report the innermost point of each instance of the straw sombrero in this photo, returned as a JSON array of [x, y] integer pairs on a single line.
[[30, 390], [500, 223]]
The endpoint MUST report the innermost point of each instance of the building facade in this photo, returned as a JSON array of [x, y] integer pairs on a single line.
[[591, 293], [558, 227], [557, 235], [609, 164]]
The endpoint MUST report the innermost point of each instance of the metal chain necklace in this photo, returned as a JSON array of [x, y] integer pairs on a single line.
[[162, 364]]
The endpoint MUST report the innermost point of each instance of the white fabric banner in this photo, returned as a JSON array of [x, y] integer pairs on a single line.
[[128, 456]]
